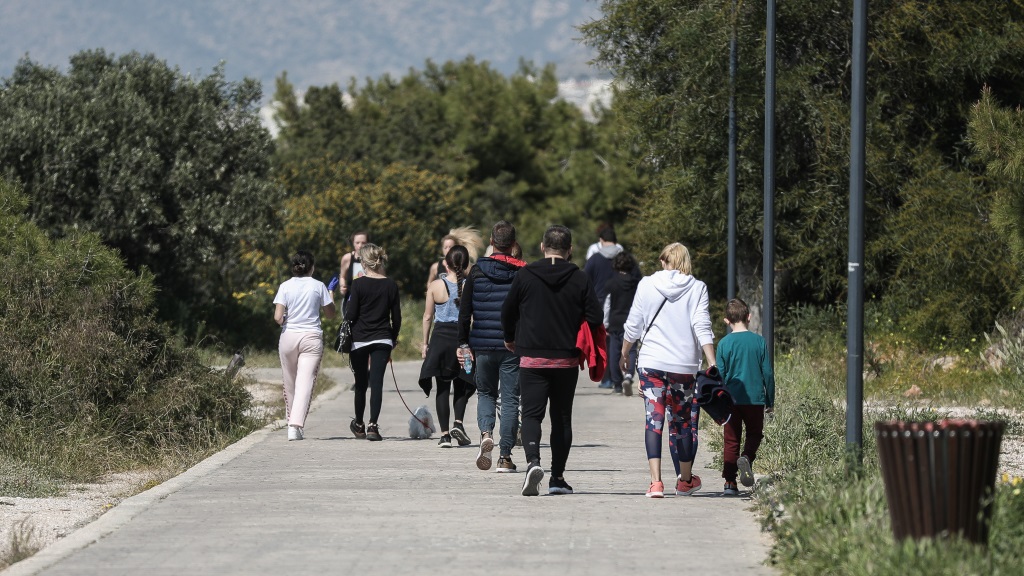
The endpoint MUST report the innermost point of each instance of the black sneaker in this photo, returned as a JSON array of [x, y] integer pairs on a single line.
[[617, 390], [357, 428], [373, 432], [445, 441], [505, 464], [458, 432], [534, 475], [559, 486]]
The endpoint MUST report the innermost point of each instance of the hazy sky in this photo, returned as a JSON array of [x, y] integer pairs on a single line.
[[317, 41]]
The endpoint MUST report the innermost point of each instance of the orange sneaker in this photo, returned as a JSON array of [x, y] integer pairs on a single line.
[[688, 488], [657, 490]]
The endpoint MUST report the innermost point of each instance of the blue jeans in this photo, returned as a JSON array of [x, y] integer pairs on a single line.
[[498, 370], [614, 353]]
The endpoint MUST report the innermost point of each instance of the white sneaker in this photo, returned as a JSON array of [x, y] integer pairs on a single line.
[[294, 433], [531, 487]]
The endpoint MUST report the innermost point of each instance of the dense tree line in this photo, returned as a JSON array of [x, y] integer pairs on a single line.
[[171, 170], [513, 148], [934, 260]]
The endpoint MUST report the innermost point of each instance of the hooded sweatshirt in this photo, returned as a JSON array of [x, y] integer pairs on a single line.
[[600, 270], [545, 306], [683, 326]]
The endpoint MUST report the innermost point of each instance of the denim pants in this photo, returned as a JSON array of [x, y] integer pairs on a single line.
[[614, 353], [496, 371]]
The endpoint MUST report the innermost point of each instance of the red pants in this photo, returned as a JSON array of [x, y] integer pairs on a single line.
[[752, 418]]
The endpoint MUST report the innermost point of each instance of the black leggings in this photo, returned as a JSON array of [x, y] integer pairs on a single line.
[[462, 394], [537, 386], [369, 364]]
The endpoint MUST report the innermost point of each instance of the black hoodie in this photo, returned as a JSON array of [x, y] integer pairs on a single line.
[[621, 289], [545, 306]]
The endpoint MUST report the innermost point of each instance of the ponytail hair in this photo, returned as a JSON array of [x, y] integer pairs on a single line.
[[373, 258], [457, 261], [302, 263]]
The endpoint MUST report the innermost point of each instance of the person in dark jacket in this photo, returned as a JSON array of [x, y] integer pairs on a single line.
[[620, 288], [600, 269], [376, 314], [497, 369], [546, 305]]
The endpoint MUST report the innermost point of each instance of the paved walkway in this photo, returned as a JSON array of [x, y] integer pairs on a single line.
[[334, 504]]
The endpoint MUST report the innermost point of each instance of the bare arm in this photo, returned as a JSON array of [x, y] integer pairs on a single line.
[[330, 311], [709, 354], [279, 314], [346, 261], [428, 319]]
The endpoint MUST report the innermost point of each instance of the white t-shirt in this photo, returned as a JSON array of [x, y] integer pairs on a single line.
[[302, 298]]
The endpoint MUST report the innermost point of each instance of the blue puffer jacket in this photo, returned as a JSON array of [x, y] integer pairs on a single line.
[[490, 281]]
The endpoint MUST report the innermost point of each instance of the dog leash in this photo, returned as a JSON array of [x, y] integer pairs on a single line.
[[395, 378]]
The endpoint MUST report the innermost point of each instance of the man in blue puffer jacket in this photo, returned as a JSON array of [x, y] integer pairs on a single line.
[[497, 369]]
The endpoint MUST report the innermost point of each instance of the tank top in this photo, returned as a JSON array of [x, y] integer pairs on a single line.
[[448, 312]]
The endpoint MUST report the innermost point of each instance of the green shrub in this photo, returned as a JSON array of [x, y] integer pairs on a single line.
[[89, 380]]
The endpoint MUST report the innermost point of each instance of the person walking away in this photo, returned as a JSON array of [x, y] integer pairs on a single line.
[[621, 289], [600, 270], [351, 267], [548, 302], [671, 320], [297, 308], [376, 315], [440, 361], [747, 372], [497, 369]]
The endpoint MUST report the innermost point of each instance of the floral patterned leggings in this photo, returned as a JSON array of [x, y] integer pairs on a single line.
[[670, 397]]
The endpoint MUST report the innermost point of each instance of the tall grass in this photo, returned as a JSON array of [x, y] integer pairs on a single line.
[[831, 518]]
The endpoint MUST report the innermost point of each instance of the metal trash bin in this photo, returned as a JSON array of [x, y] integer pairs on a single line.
[[939, 476]]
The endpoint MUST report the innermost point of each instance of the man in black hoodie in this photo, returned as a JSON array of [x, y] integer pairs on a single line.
[[541, 317]]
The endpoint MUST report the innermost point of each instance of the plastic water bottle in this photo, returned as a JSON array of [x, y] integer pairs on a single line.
[[467, 358]]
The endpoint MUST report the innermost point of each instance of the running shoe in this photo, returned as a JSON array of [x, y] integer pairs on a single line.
[[559, 486], [358, 429], [656, 490], [627, 386], [458, 433], [483, 457], [534, 474], [294, 433], [505, 464], [445, 441], [373, 432], [688, 488], [730, 489], [746, 474]]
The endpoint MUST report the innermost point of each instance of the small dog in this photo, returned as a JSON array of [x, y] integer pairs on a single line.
[[416, 423]]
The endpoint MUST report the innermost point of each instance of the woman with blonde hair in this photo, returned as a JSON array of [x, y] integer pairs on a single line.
[[376, 315], [461, 236], [670, 319]]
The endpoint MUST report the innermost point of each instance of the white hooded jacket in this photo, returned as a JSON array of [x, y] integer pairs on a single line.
[[683, 326]]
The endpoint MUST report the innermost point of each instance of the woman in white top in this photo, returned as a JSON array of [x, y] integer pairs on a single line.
[[297, 311], [670, 317]]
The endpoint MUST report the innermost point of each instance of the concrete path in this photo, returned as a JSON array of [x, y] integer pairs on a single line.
[[334, 504]]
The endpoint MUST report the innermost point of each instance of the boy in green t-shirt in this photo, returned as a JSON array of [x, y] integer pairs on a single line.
[[744, 364]]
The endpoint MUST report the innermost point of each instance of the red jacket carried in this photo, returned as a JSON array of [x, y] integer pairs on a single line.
[[593, 347]]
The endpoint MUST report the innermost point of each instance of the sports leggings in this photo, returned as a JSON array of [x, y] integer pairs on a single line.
[[670, 396], [369, 364], [459, 402]]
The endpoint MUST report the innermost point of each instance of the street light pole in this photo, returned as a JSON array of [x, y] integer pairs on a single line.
[[731, 286], [855, 266], [768, 272]]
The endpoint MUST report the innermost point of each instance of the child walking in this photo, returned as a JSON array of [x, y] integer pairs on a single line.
[[744, 364]]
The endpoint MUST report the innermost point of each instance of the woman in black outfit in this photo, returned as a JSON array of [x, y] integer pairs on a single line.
[[376, 315]]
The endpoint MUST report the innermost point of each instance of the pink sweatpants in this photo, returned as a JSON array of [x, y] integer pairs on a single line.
[[300, 362]]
